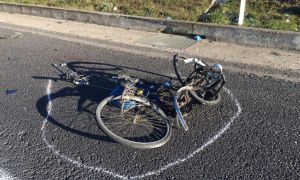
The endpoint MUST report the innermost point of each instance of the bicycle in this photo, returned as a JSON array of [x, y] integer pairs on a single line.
[[144, 124]]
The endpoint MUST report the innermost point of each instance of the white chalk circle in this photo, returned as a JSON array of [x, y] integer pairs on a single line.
[[155, 172]]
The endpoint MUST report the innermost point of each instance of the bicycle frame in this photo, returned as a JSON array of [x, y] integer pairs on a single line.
[[177, 107], [119, 90]]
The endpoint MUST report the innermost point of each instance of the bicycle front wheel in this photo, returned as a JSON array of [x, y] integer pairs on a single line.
[[133, 123]]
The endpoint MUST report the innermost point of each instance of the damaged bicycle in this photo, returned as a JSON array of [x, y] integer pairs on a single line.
[[134, 115]]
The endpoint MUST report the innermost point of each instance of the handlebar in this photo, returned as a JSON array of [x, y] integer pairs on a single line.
[[198, 65], [178, 74]]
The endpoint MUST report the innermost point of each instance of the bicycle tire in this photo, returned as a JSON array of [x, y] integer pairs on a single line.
[[216, 100], [177, 72], [217, 97], [134, 141]]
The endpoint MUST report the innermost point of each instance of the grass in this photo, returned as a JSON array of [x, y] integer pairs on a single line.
[[272, 14], [174, 9]]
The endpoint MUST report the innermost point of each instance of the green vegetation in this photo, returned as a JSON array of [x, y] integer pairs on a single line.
[[175, 9], [273, 14]]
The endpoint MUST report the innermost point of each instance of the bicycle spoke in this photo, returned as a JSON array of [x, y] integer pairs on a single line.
[[119, 127], [151, 139], [145, 114], [162, 132], [154, 127], [116, 117], [152, 116], [157, 122], [143, 138], [161, 128], [155, 134], [115, 123]]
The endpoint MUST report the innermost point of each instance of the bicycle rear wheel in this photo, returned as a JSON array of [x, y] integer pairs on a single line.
[[206, 98], [203, 97], [210, 97], [133, 123]]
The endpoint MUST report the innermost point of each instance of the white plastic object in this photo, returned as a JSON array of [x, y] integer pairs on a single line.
[[194, 60], [188, 60], [242, 12]]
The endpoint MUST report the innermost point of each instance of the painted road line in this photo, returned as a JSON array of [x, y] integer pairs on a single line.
[[4, 175]]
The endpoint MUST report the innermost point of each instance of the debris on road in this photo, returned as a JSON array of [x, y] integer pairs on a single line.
[[197, 38], [11, 91]]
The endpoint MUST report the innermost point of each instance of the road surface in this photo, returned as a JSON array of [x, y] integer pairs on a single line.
[[48, 128]]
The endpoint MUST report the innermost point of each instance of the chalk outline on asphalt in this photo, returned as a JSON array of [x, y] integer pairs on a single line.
[[155, 172], [4, 175]]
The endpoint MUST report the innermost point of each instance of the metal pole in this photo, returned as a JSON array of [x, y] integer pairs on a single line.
[[242, 12]]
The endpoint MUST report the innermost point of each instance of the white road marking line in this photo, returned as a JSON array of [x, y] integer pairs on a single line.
[[6, 176], [156, 172], [52, 147]]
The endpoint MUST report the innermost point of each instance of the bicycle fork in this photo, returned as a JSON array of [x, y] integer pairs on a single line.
[[177, 107], [179, 114]]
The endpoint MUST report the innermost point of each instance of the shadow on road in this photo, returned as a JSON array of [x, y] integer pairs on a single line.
[[100, 76]]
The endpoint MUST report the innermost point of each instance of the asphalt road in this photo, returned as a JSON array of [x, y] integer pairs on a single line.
[[260, 142]]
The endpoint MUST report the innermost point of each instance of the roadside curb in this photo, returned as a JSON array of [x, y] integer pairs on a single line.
[[232, 34]]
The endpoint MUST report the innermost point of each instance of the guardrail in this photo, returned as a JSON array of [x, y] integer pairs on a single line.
[[232, 34]]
